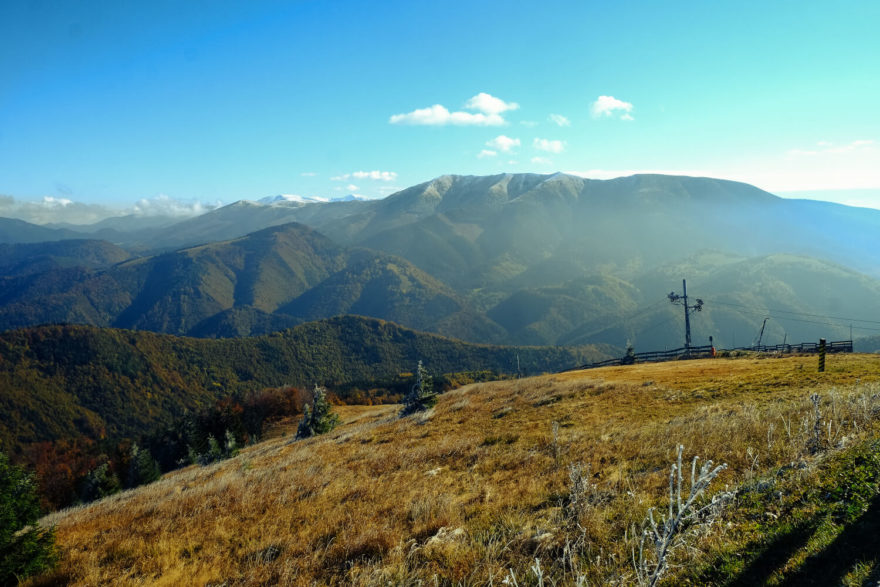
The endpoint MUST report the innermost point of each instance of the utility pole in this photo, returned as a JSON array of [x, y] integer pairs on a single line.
[[683, 300]]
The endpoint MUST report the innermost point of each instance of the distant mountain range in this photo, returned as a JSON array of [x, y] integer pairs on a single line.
[[514, 258]]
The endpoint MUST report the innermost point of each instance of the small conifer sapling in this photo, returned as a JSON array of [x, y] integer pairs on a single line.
[[422, 395], [319, 417]]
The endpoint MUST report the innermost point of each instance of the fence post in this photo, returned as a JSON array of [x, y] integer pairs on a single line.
[[821, 355]]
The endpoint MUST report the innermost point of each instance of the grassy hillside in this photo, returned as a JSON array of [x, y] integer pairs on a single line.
[[69, 381], [558, 468]]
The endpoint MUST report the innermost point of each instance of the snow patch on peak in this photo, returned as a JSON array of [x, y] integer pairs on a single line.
[[291, 199]]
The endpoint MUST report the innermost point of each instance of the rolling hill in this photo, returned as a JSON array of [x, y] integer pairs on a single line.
[[69, 381]]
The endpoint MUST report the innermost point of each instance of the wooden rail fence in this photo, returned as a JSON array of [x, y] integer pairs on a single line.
[[704, 352]]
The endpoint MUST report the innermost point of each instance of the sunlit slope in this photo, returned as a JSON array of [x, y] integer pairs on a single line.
[[481, 484]]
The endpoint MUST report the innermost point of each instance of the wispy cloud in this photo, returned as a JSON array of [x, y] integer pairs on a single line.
[[550, 146], [503, 143], [614, 173], [374, 175], [559, 120], [487, 111], [608, 106], [486, 153], [824, 165], [55, 209], [541, 161], [829, 148], [163, 205]]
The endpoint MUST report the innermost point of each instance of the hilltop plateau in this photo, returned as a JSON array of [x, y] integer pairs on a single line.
[[549, 476]]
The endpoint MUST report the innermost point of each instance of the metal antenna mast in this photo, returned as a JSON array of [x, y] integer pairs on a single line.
[[683, 300]]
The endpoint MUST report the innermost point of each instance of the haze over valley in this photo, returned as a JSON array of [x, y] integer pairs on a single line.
[[507, 259]]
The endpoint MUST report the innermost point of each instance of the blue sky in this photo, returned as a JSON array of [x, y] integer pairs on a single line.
[[117, 102]]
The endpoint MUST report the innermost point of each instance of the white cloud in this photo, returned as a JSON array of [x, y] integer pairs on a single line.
[[488, 104], [486, 153], [488, 113], [437, 115], [374, 175], [541, 161], [559, 120], [551, 146], [52, 202], [610, 106], [351, 187], [503, 143], [54, 209], [163, 205]]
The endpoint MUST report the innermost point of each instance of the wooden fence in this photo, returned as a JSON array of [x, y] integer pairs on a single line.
[[704, 352]]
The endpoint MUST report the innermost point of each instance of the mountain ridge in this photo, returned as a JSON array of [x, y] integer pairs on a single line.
[[510, 256]]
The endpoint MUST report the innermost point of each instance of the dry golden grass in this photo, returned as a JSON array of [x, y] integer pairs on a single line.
[[471, 489]]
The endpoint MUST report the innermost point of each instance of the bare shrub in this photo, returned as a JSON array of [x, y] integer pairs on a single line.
[[683, 516]]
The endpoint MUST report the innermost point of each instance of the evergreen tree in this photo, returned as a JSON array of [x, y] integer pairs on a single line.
[[304, 430], [422, 395], [25, 548], [319, 418], [100, 482], [142, 468]]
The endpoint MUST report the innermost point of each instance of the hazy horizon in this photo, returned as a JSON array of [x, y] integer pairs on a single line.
[[56, 210], [186, 106]]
